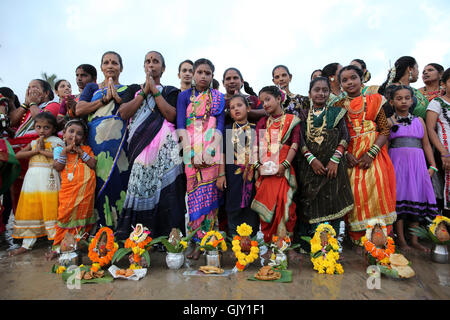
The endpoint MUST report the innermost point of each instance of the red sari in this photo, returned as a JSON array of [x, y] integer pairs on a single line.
[[274, 201]]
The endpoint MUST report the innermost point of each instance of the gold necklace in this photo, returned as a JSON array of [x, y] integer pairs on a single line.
[[274, 148], [313, 133]]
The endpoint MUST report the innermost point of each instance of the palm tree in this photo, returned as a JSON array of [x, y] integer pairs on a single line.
[[51, 79]]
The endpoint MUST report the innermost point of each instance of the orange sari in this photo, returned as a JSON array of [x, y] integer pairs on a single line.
[[76, 197], [273, 200], [374, 188]]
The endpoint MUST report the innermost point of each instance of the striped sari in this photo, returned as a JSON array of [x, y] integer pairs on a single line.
[[76, 197], [374, 188]]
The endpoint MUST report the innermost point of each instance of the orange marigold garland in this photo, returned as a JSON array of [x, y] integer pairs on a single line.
[[138, 248], [110, 247], [378, 253]]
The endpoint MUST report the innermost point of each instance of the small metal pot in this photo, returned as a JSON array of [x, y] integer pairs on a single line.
[[439, 253], [174, 260], [214, 258]]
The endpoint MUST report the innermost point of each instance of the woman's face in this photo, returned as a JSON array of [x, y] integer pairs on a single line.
[[238, 110], [203, 76], [36, 87], [430, 74], [153, 65], [351, 83], [316, 74], [83, 78], [281, 78], [64, 89], [271, 104], [186, 72], [111, 66], [319, 93], [232, 82]]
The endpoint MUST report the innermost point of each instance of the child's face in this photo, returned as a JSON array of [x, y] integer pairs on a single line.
[[351, 82], [319, 93], [74, 134], [238, 110], [270, 103], [203, 76], [402, 100], [64, 89], [43, 128]]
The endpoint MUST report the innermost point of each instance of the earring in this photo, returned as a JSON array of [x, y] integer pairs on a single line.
[[332, 79], [410, 76], [193, 82]]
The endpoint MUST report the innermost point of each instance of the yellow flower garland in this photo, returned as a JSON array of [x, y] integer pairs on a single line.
[[244, 230], [436, 222], [220, 241], [326, 263]]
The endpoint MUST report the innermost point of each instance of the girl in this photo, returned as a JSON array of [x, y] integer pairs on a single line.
[[76, 164], [438, 118], [278, 136], [200, 111], [408, 142], [38, 202], [325, 191], [236, 175], [371, 172]]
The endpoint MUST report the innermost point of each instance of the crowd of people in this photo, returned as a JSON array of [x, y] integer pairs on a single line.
[[118, 155]]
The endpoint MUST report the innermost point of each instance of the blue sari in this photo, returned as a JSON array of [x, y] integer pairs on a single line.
[[107, 138]]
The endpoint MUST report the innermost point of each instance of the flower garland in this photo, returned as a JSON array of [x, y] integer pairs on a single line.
[[215, 244], [111, 248], [437, 221], [244, 230], [325, 259], [137, 241], [381, 255]]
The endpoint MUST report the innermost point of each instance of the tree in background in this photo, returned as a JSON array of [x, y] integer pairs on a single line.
[[51, 79]]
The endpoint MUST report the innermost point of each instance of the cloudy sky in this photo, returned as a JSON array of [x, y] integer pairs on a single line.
[[56, 36]]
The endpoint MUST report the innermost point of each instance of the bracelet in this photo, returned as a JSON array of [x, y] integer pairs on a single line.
[[434, 168], [33, 104], [62, 159], [85, 157], [156, 94], [445, 155], [25, 106], [222, 174], [335, 159], [256, 165], [286, 164], [142, 94], [311, 159]]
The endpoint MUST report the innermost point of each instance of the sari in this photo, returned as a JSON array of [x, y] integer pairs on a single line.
[[107, 138], [420, 109], [374, 189], [274, 198], [76, 196], [202, 115], [156, 190]]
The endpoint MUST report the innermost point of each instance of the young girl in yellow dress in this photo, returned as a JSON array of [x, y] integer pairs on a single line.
[[38, 203]]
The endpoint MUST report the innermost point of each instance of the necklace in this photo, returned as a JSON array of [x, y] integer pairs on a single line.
[[313, 133], [406, 120], [277, 124], [355, 128], [70, 174], [241, 157]]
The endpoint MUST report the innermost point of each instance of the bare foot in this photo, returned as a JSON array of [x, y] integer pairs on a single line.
[[17, 251], [51, 255], [418, 246], [195, 254]]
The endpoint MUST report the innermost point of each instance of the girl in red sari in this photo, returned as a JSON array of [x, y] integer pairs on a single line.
[[371, 172], [278, 136]]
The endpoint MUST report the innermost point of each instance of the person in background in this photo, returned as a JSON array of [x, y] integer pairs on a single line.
[[185, 74], [366, 77], [431, 77], [84, 73], [331, 72], [316, 73]]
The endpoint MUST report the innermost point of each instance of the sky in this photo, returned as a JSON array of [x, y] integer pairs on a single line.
[[254, 36]]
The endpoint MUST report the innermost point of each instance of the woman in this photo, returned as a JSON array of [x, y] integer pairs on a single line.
[[200, 112], [405, 72], [63, 90], [371, 172], [156, 189], [325, 193], [233, 83], [431, 77], [294, 103], [316, 73], [185, 73], [331, 72], [107, 137], [38, 98], [366, 77], [84, 73]]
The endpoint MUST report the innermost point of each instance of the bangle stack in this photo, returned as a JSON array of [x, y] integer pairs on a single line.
[[309, 157], [62, 159], [85, 157], [256, 165], [25, 106], [373, 151], [222, 174], [142, 94], [156, 94], [336, 157], [286, 164], [445, 155], [434, 168]]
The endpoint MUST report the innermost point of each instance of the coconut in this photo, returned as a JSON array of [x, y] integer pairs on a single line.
[[442, 232]]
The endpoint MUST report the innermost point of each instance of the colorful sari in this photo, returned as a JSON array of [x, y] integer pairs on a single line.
[[38, 203], [157, 187], [76, 197], [203, 120], [422, 103], [107, 138], [274, 198], [374, 188]]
